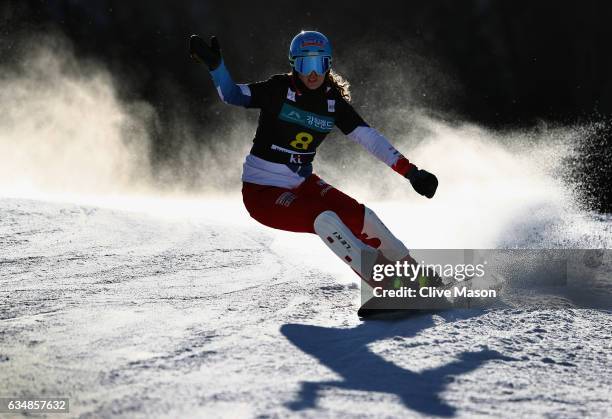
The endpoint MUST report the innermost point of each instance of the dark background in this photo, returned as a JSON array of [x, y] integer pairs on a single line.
[[502, 64]]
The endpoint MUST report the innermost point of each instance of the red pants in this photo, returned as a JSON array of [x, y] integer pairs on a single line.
[[296, 209]]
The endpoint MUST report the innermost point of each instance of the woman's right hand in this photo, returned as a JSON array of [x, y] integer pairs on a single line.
[[203, 53]]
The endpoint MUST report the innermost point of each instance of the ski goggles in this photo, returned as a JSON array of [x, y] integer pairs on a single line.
[[317, 63]]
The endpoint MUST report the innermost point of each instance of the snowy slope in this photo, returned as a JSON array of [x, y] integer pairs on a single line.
[[133, 314]]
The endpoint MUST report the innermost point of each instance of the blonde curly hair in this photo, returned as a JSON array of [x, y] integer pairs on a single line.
[[340, 83]]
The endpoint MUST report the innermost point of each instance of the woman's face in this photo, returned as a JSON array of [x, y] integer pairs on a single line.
[[312, 80]]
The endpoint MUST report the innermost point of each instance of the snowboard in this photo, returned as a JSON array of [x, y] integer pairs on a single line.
[[387, 309]]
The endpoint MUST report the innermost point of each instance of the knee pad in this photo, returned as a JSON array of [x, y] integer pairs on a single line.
[[390, 246], [339, 238]]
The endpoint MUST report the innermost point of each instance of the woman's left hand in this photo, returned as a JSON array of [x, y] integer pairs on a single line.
[[422, 181]]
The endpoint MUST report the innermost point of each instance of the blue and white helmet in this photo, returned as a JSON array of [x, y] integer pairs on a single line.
[[310, 51]]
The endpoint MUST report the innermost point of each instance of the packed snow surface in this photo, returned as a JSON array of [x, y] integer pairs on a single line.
[[134, 313]]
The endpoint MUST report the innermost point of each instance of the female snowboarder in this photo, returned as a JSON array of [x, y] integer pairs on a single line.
[[297, 111]]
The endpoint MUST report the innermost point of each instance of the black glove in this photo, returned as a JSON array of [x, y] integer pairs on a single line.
[[422, 181], [203, 53]]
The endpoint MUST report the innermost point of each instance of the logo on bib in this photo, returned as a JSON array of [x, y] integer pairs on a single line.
[[291, 95], [295, 159], [306, 119], [331, 105]]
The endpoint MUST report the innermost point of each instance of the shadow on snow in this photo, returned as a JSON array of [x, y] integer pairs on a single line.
[[345, 352]]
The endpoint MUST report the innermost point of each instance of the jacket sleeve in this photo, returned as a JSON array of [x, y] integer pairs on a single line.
[[252, 95], [355, 128], [228, 91]]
